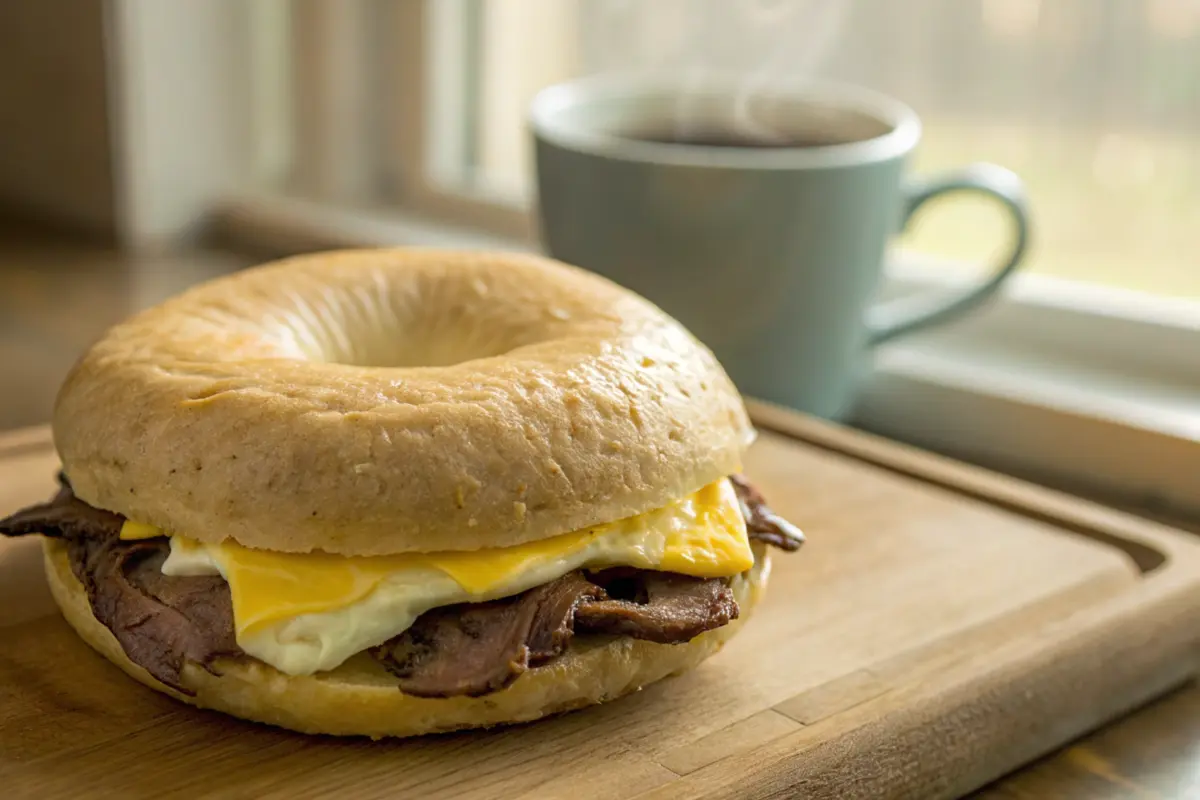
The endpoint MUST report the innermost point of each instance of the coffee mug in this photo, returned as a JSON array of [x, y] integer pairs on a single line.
[[760, 222]]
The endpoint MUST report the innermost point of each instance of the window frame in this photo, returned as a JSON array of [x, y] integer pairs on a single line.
[[427, 66]]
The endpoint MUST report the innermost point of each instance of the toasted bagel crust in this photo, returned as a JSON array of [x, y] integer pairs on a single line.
[[360, 698], [387, 401]]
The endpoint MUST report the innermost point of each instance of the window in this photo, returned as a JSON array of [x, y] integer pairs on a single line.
[[403, 120], [1095, 104]]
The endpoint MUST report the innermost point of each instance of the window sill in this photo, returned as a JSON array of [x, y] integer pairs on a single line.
[[1039, 418], [1081, 387]]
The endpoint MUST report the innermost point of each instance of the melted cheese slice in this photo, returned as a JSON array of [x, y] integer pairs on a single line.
[[304, 613]]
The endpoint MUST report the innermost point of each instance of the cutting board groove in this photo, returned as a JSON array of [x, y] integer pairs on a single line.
[[943, 626], [1030, 502]]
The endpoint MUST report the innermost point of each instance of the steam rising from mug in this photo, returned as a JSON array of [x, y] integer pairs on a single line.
[[767, 41]]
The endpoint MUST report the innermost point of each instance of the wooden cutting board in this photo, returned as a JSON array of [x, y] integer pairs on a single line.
[[943, 626]]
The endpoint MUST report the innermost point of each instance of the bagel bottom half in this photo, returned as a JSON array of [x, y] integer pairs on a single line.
[[360, 698]]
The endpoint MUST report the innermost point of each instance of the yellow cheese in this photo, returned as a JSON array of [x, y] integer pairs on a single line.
[[266, 587], [480, 571], [131, 530], [706, 537]]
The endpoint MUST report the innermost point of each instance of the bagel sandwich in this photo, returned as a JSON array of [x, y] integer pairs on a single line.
[[395, 492]]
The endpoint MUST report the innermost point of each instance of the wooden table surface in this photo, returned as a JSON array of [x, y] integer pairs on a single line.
[[1152, 753]]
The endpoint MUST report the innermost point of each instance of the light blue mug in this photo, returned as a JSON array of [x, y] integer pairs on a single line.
[[760, 222]]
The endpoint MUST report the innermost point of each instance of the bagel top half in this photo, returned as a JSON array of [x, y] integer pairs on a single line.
[[388, 401]]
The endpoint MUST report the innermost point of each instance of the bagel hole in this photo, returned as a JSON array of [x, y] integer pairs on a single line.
[[416, 349], [407, 362]]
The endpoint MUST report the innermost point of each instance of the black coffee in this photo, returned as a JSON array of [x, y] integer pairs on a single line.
[[720, 138]]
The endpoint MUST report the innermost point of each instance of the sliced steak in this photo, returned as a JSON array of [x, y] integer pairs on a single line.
[[762, 523], [160, 621], [478, 648], [676, 608], [66, 516]]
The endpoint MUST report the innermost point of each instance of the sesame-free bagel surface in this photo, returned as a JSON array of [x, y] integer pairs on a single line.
[[384, 401]]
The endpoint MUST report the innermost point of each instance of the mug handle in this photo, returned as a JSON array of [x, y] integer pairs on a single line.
[[907, 314]]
